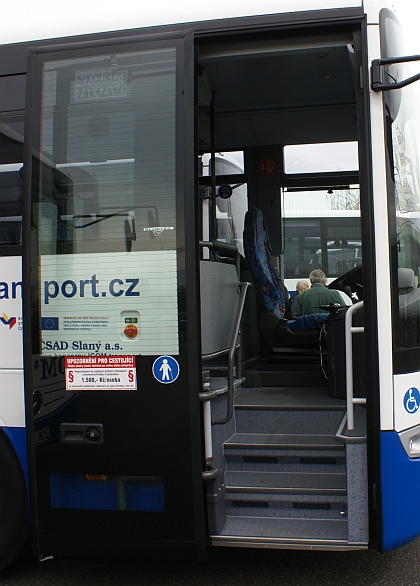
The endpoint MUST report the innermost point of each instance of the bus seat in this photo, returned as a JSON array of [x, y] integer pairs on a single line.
[[408, 294], [276, 327], [406, 282]]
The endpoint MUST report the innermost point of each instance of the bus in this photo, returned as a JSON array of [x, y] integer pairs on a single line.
[[156, 397]]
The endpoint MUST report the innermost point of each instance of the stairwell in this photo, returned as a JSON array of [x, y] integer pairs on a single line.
[[286, 478]]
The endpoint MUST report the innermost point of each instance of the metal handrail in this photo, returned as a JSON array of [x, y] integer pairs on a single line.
[[243, 286], [217, 354], [348, 439], [224, 249], [349, 331], [211, 472]]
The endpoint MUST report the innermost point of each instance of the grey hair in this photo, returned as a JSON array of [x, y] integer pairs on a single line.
[[317, 277], [300, 284]]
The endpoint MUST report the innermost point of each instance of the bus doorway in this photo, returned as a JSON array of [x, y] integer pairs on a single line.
[[292, 473]]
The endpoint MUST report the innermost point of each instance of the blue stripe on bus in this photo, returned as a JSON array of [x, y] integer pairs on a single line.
[[107, 493], [17, 437], [400, 476]]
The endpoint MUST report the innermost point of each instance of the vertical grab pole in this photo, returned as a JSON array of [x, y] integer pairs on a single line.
[[213, 219], [350, 330], [208, 444]]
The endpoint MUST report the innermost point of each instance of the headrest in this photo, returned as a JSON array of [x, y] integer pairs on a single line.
[[254, 223], [406, 278]]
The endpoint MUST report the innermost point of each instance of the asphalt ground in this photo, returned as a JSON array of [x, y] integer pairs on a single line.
[[229, 567]]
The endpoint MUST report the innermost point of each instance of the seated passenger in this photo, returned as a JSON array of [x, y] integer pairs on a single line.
[[310, 301], [301, 286]]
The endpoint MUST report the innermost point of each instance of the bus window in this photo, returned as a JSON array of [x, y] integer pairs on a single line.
[[321, 230], [230, 209], [98, 173], [403, 123], [11, 181], [104, 201], [321, 157]]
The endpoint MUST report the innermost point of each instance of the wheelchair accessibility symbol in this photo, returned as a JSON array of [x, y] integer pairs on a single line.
[[165, 369], [412, 400]]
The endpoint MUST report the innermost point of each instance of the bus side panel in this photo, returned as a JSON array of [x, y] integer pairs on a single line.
[[12, 417], [17, 437], [401, 515]]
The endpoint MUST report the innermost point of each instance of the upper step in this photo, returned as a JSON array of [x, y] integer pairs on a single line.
[[305, 397], [303, 374], [274, 421], [287, 410]]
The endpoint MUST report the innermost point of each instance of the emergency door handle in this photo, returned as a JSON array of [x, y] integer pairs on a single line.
[[81, 433]]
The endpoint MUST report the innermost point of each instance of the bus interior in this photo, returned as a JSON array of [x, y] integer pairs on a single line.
[[274, 112]]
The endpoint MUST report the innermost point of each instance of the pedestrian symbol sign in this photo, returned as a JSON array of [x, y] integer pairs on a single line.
[[165, 369]]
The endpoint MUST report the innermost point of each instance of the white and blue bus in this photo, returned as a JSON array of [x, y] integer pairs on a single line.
[[165, 401]]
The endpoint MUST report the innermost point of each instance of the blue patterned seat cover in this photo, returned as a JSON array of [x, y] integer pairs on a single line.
[[258, 257], [260, 263]]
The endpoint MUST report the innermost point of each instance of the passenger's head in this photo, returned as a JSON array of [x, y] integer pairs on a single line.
[[317, 277], [302, 286]]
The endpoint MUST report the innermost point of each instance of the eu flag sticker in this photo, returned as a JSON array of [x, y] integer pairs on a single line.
[[49, 323]]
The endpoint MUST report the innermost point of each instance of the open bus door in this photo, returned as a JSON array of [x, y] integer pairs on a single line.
[[112, 391]]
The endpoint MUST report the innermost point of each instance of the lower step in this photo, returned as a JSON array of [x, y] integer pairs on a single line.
[[260, 527]]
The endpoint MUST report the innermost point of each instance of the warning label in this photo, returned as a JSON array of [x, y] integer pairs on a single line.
[[90, 373]]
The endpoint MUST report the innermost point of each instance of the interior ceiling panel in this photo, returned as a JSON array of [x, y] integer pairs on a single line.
[[286, 127], [287, 97]]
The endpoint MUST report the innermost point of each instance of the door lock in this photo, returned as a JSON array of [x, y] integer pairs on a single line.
[[81, 433], [93, 434]]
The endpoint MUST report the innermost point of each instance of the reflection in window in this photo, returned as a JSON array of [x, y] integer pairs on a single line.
[[403, 119], [104, 203], [230, 211], [106, 180]]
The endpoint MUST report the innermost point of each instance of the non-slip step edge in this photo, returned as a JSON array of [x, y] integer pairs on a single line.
[[290, 407], [286, 480], [283, 543], [276, 498], [288, 441], [291, 491]]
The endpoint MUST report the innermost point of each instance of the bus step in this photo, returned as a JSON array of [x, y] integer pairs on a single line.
[[286, 506], [290, 528]]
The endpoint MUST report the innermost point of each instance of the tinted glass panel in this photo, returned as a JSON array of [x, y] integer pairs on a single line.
[[321, 158], [321, 231], [231, 205], [403, 123], [104, 192], [11, 180]]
